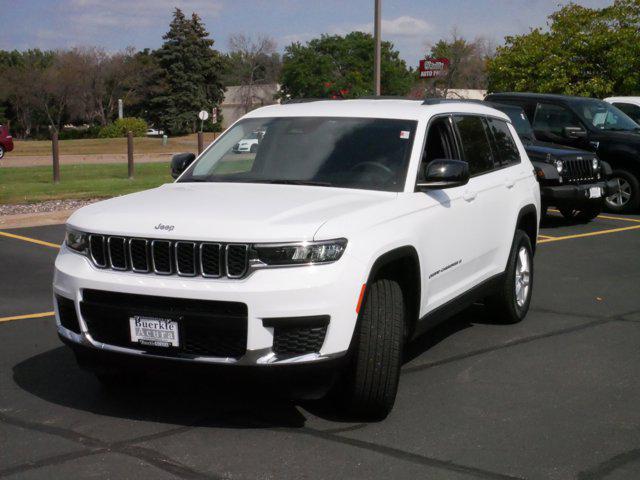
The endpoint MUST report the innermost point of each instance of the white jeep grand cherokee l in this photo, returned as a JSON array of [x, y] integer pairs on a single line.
[[356, 225]]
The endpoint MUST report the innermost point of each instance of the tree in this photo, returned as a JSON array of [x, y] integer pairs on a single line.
[[336, 66], [191, 71], [251, 63], [467, 64], [589, 52]]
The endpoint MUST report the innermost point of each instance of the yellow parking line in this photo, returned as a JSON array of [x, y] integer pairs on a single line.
[[25, 317], [545, 236], [590, 234], [28, 239], [619, 218]]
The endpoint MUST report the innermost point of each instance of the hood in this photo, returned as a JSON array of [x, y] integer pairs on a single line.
[[540, 150], [225, 212]]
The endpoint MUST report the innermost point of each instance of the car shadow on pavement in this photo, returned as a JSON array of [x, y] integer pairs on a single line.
[[196, 399]]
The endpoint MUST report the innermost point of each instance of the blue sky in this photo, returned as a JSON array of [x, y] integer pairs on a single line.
[[409, 24]]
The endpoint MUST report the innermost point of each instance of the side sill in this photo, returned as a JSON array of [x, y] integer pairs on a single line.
[[458, 304]]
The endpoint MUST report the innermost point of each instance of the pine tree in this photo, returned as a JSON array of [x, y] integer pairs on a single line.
[[191, 74]]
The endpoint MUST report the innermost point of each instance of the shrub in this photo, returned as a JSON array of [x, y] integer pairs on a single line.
[[120, 127], [75, 134]]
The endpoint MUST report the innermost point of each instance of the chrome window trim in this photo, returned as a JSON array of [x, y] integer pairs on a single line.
[[221, 259], [146, 250], [124, 245], [195, 258], [153, 258]]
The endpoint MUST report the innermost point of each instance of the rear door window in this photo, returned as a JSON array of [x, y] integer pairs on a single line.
[[505, 145], [476, 147]]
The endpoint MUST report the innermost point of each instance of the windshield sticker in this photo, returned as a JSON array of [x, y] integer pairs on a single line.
[[404, 134]]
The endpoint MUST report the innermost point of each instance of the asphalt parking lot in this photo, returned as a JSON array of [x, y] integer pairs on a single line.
[[554, 397]]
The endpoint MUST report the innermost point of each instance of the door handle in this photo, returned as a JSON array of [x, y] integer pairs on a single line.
[[469, 195], [510, 182]]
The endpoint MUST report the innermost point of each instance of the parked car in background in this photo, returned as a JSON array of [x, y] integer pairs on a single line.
[[589, 124], [249, 144], [572, 180], [152, 132], [629, 105], [6, 140]]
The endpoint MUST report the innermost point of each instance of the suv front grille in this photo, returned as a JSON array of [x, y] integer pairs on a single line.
[[168, 257], [578, 170], [207, 328]]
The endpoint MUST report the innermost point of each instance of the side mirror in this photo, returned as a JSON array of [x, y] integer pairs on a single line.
[[180, 162], [575, 132], [439, 174]]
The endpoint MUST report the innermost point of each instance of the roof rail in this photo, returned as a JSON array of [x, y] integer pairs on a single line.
[[366, 97], [439, 101]]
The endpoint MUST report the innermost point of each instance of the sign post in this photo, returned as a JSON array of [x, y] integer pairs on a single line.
[[203, 115]]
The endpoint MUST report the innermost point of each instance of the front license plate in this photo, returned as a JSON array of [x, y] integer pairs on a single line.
[[154, 332], [595, 192]]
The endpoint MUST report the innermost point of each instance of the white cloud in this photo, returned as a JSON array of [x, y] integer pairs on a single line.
[[403, 26], [88, 18]]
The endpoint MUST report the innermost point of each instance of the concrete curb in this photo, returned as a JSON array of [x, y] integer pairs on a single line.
[[7, 222]]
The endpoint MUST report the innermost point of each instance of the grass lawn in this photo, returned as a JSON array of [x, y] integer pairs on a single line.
[[95, 146], [33, 184]]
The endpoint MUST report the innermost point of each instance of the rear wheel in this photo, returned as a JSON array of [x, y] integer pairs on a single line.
[[510, 303], [369, 387], [1, 152], [627, 198]]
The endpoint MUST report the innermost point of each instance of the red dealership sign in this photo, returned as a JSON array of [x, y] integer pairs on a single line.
[[433, 67]]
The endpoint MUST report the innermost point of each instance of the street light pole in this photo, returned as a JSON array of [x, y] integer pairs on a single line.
[[377, 27]]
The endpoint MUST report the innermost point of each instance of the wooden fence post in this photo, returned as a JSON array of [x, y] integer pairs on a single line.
[[56, 157], [130, 153]]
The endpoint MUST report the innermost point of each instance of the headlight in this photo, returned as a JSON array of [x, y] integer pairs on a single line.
[[559, 165], [595, 164], [77, 241], [304, 253]]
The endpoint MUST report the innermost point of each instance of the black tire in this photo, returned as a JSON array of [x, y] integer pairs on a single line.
[[631, 186], [584, 214], [370, 384], [253, 148], [1, 152], [503, 304]]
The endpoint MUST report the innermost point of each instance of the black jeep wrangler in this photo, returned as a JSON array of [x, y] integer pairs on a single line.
[[592, 125], [572, 180]]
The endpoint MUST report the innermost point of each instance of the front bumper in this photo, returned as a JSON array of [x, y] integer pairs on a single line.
[[575, 195], [323, 290]]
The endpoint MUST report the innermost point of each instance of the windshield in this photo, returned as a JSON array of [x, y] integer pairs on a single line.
[[604, 116], [364, 153], [520, 122]]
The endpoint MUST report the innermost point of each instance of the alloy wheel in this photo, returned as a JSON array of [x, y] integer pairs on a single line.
[[522, 277], [622, 196]]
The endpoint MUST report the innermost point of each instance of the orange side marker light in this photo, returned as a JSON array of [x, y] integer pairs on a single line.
[[361, 297]]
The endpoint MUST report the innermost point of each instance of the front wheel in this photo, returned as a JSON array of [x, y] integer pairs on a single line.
[[627, 198], [510, 303], [370, 384]]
